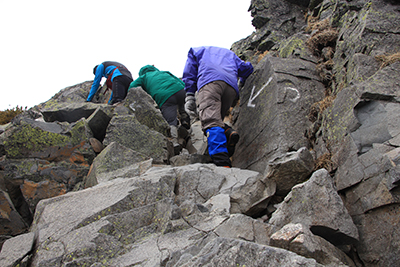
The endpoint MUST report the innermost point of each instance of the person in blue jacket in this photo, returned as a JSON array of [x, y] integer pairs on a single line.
[[214, 73], [118, 80]]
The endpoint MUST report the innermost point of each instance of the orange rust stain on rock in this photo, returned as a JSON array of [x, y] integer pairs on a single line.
[[78, 158], [66, 152], [43, 167], [5, 207], [90, 170], [42, 190]]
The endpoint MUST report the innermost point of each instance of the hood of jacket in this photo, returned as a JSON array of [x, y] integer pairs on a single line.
[[146, 69]]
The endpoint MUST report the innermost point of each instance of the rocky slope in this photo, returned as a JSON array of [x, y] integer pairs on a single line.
[[315, 177]]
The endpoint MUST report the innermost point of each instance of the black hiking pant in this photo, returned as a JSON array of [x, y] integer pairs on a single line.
[[120, 87]]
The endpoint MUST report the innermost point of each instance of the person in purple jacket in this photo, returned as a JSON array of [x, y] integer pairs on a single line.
[[118, 80], [214, 73]]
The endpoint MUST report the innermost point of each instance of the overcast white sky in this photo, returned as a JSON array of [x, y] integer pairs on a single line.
[[48, 45]]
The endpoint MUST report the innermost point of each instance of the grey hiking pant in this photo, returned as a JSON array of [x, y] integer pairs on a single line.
[[214, 100]]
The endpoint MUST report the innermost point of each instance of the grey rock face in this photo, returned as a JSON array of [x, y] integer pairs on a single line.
[[116, 161], [69, 104], [127, 131], [17, 250], [98, 122], [291, 169], [299, 239], [275, 89], [322, 210], [144, 108], [318, 121], [136, 220], [235, 252], [355, 137]]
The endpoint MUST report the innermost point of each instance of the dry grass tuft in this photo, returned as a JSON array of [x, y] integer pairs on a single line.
[[313, 24], [327, 64], [324, 162], [324, 70], [322, 39], [7, 115], [261, 56], [388, 59], [324, 103], [319, 107], [323, 35]]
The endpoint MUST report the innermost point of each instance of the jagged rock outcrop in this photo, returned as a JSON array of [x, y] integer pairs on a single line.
[[315, 179], [327, 218], [69, 104]]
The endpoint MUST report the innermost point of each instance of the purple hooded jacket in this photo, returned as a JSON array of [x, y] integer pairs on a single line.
[[209, 63]]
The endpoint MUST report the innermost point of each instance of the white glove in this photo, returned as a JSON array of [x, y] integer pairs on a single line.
[[190, 105]]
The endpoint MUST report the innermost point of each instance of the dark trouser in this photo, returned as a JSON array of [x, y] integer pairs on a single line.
[[173, 105], [120, 87]]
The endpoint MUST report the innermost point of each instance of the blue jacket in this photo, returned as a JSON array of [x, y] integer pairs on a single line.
[[103, 70], [208, 63]]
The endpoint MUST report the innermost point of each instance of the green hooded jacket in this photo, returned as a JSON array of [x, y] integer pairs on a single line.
[[160, 85]]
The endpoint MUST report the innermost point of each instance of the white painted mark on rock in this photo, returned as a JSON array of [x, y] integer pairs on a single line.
[[250, 104], [297, 93]]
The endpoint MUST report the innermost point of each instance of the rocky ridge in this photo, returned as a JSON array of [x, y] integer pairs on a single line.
[[315, 177]]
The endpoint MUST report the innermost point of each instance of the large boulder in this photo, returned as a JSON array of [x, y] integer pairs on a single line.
[[70, 103], [317, 205], [266, 118], [145, 110], [47, 141], [98, 123], [129, 132], [116, 161], [299, 239], [290, 169]]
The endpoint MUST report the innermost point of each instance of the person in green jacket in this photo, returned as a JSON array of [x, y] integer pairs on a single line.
[[168, 92]]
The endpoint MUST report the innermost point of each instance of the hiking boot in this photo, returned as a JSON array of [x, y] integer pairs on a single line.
[[221, 160], [232, 138]]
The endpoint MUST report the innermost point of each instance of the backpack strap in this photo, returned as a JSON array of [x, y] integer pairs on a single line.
[[108, 81], [109, 77]]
